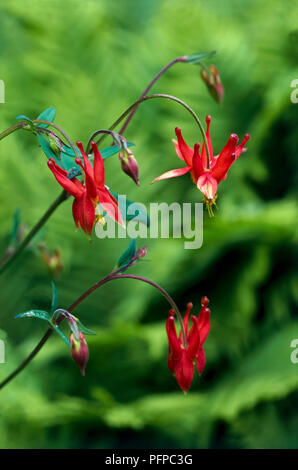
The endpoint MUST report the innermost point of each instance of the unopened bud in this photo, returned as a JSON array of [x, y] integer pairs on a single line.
[[79, 351], [129, 164], [213, 82], [204, 301]]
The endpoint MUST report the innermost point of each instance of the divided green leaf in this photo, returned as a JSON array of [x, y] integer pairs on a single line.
[[128, 254]]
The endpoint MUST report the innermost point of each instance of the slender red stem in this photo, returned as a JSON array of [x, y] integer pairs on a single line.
[[159, 96], [154, 80], [110, 277]]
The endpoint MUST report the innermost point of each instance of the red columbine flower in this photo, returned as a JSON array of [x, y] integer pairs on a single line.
[[182, 359], [89, 195], [79, 351], [206, 174]]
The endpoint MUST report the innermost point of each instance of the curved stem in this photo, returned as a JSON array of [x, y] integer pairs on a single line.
[[10, 130], [62, 197], [164, 293], [28, 359], [98, 132], [162, 96], [61, 131], [113, 276], [110, 277], [154, 80]]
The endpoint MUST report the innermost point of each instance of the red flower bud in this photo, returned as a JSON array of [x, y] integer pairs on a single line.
[[141, 252], [129, 164], [204, 301], [213, 83], [79, 351]]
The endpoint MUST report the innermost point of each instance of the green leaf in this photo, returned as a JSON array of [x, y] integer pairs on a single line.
[[64, 160], [198, 57], [45, 145], [142, 215], [41, 314], [83, 329], [54, 298], [105, 152], [62, 335], [128, 254], [109, 151], [48, 114]]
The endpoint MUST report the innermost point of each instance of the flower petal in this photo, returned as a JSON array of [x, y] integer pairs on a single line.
[[207, 185], [178, 151], [185, 321], [185, 151], [99, 168], [89, 173], [173, 173], [204, 323], [240, 148], [193, 339], [74, 187], [110, 205], [204, 153], [84, 213], [197, 165], [75, 212], [174, 343], [184, 371], [225, 159], [201, 360]]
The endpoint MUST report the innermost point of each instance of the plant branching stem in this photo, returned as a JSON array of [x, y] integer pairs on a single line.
[[110, 277], [161, 96]]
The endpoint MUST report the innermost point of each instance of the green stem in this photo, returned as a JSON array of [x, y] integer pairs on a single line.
[[12, 129], [162, 96], [62, 197], [22, 366]]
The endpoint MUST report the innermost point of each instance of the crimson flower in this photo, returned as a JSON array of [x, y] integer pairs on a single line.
[[181, 359], [87, 195], [206, 173]]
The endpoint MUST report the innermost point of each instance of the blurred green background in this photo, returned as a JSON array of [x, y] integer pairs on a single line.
[[90, 60]]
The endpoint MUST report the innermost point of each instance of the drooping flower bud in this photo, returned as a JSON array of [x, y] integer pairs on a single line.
[[55, 144], [213, 82], [129, 164], [204, 301], [79, 351], [141, 252]]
